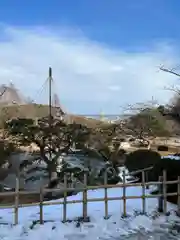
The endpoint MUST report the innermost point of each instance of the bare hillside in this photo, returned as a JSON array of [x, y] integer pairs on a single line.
[[38, 110], [13, 104]]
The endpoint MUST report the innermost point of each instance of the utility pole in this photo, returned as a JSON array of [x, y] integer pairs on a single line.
[[1, 95], [50, 110], [50, 95]]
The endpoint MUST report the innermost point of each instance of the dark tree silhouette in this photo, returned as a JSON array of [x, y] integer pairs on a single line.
[[142, 159], [52, 141]]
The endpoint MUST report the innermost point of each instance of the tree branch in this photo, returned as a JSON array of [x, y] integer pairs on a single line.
[[169, 71]]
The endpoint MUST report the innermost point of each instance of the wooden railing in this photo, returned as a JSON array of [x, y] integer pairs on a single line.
[[162, 196]]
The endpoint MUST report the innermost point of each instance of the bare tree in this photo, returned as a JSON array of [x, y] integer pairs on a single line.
[[174, 106], [146, 122], [172, 71], [107, 140]]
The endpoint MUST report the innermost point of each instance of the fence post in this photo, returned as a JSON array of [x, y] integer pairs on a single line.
[[85, 197], [105, 195], [41, 205], [143, 193], [16, 207], [72, 180], [178, 190], [160, 199], [146, 179], [124, 194], [65, 198], [164, 192]]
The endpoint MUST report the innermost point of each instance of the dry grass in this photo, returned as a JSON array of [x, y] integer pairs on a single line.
[[23, 199], [38, 111], [166, 153], [171, 150]]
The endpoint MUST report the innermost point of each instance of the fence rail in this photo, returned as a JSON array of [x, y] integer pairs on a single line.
[[161, 184]]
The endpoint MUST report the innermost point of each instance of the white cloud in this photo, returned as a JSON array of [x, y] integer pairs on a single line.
[[114, 88], [88, 76]]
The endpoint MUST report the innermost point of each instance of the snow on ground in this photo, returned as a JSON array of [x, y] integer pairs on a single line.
[[98, 228]]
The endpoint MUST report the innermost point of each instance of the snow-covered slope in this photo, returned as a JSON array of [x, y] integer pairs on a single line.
[[113, 228]]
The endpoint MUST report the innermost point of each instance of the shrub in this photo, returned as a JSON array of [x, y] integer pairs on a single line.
[[131, 140], [142, 158], [172, 168]]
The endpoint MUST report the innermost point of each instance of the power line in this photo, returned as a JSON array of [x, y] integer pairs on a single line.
[[40, 90]]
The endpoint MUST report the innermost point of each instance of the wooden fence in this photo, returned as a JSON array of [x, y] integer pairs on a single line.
[[162, 196]]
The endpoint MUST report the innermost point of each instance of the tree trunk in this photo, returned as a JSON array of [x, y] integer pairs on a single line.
[[51, 165], [53, 175], [52, 171]]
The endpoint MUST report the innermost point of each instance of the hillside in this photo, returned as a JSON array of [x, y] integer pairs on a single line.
[[161, 125], [13, 104], [38, 110]]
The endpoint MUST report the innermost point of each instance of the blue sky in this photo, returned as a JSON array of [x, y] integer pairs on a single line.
[[131, 37], [126, 23]]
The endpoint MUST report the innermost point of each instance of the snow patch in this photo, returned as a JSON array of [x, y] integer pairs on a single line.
[[98, 227]]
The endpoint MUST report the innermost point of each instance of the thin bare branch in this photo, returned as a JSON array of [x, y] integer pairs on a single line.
[[2, 93], [173, 89], [169, 71]]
